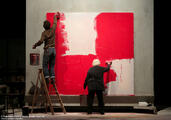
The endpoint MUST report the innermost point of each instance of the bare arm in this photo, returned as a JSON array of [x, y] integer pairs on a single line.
[[53, 26], [54, 22], [39, 42]]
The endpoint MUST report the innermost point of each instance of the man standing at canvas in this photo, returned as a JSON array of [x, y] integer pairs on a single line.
[[48, 38], [95, 83]]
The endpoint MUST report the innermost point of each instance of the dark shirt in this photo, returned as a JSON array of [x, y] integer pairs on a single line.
[[94, 79], [48, 36]]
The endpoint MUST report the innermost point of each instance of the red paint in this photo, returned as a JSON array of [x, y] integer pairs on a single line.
[[114, 36], [109, 76], [113, 42]]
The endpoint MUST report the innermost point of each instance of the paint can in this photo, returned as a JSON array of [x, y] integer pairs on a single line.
[[35, 57]]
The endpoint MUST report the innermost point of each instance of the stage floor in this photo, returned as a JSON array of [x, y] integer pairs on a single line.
[[164, 114]]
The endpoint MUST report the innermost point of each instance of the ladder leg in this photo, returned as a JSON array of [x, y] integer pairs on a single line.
[[44, 98], [59, 99], [46, 106], [46, 92]]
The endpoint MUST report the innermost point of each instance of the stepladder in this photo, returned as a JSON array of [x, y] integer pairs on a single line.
[[45, 93]]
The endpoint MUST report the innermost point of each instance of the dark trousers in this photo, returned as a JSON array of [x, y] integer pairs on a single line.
[[90, 99]]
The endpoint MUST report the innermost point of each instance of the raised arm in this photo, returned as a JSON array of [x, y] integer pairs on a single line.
[[55, 18], [108, 66], [55, 21]]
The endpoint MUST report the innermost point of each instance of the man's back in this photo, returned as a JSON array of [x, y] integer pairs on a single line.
[[49, 38], [95, 77], [96, 72]]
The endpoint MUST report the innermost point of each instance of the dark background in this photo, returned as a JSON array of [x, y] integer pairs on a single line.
[[12, 38], [13, 35], [12, 52], [162, 25]]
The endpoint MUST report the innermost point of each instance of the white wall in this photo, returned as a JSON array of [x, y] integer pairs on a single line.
[[143, 32]]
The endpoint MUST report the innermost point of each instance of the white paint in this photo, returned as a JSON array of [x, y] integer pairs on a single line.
[[81, 34], [124, 84]]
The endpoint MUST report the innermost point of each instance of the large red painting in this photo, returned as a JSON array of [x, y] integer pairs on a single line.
[[114, 41]]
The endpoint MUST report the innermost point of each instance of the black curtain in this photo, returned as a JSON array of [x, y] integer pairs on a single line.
[[162, 22]]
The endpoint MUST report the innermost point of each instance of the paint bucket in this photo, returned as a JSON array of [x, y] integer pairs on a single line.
[[34, 57]]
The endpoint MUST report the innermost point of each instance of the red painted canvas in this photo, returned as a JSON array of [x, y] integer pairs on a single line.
[[113, 41]]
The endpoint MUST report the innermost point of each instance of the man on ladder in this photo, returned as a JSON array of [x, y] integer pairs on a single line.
[[48, 38]]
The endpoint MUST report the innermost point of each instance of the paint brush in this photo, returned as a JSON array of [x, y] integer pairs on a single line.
[[108, 62]]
